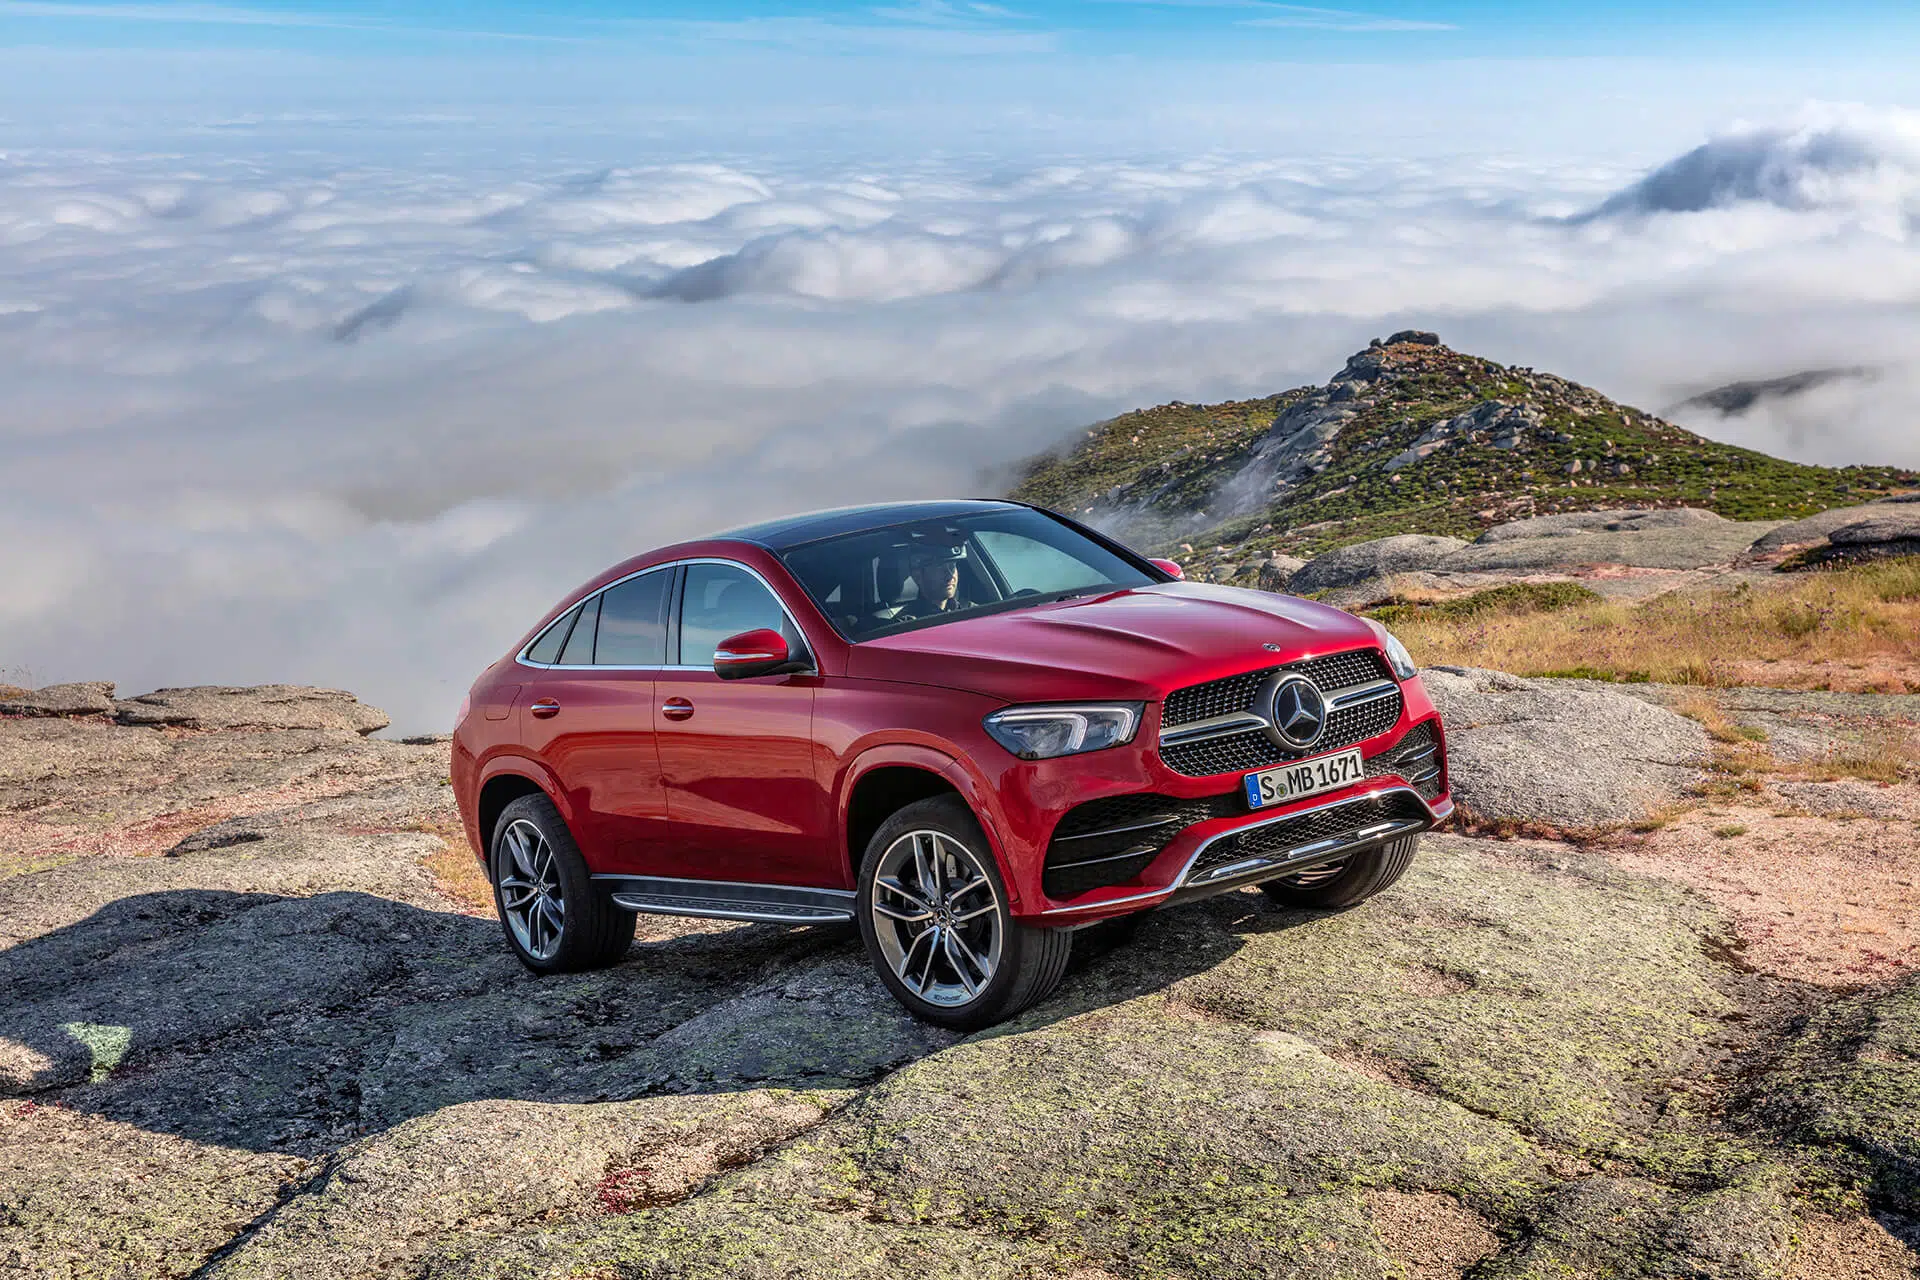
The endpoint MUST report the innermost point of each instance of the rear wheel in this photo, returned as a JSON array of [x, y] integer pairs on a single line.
[[555, 919], [933, 912], [1347, 883]]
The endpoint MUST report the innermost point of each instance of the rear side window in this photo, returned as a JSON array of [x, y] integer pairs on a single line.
[[546, 650], [722, 601], [579, 650], [633, 622]]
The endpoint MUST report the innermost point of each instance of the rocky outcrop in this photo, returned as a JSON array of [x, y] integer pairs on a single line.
[[292, 1055], [1814, 530], [1572, 523], [1853, 535], [1502, 426], [87, 698], [1540, 752], [1381, 558], [272, 706]]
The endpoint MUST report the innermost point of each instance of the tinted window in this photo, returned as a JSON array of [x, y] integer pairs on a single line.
[[547, 648], [579, 650], [1028, 564], [633, 622], [927, 572], [721, 601]]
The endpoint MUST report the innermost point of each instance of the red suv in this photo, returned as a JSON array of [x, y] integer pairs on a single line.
[[970, 727]]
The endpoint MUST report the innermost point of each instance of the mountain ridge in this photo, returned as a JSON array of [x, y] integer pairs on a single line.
[[1411, 436]]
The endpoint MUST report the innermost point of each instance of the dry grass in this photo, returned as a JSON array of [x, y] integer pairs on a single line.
[[456, 872], [1884, 757], [1855, 626]]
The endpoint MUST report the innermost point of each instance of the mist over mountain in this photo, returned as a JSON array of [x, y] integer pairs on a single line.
[[320, 414], [1855, 162]]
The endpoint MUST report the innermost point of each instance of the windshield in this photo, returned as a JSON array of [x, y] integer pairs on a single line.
[[922, 574]]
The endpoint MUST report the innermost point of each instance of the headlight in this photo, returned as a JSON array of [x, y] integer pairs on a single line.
[[1397, 656], [1041, 733]]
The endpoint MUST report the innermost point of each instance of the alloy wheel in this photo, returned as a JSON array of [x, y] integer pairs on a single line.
[[530, 891], [936, 916]]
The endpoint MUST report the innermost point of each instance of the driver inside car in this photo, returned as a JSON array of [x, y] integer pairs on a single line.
[[936, 574]]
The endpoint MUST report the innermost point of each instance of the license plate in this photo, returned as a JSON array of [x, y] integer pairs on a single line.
[[1303, 778]]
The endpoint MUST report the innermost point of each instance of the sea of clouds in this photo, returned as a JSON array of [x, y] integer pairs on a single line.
[[358, 416]]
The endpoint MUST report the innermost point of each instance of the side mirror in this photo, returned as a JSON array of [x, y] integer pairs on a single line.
[[761, 652], [1170, 567]]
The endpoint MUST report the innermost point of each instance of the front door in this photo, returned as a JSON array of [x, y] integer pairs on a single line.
[[745, 801]]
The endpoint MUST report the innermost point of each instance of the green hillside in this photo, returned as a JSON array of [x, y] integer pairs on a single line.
[[1410, 437]]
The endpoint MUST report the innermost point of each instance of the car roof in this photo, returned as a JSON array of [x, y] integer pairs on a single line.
[[792, 531]]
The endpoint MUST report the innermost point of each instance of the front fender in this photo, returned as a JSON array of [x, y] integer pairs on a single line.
[[953, 767]]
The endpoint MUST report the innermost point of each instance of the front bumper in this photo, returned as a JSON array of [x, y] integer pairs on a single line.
[[1202, 839]]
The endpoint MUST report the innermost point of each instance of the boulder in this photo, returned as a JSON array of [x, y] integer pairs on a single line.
[[1419, 337], [85, 698], [1617, 521], [1892, 526], [267, 706], [1539, 751], [1881, 533], [1688, 543], [1814, 529], [1276, 572], [1380, 558]]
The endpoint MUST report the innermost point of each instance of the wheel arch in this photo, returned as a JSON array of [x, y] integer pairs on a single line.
[[507, 781], [885, 780]]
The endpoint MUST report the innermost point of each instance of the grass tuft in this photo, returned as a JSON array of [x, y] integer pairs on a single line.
[[1707, 638], [1511, 599]]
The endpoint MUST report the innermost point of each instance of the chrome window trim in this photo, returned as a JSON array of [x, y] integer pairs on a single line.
[[522, 658]]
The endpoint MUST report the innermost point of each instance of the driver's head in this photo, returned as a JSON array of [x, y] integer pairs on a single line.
[[937, 575]]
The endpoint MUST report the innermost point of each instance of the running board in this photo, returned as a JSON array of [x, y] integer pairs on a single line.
[[729, 900]]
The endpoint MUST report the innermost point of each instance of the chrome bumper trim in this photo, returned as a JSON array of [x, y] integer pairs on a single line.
[[1436, 813]]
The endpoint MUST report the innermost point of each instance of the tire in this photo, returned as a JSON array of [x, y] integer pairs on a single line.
[[533, 857], [1014, 967], [1360, 877]]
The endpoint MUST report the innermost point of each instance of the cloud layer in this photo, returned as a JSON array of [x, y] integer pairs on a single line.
[[326, 417]]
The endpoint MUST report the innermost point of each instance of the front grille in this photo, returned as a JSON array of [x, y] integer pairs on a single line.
[[1252, 749], [1111, 840], [1276, 838], [1416, 757], [1235, 693]]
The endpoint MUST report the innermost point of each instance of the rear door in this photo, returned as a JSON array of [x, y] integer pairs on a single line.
[[745, 798], [590, 716]]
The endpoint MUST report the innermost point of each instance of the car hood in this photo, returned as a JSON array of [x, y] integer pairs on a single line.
[[1136, 645]]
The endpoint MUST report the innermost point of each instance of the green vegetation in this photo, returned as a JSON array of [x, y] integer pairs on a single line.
[[1158, 474]]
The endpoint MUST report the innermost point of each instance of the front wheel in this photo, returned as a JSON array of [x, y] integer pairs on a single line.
[[933, 913], [1347, 883]]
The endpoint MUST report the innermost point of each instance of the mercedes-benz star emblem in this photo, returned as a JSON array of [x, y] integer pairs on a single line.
[[1298, 713]]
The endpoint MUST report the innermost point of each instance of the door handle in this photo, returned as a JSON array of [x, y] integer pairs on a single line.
[[545, 709], [677, 709]]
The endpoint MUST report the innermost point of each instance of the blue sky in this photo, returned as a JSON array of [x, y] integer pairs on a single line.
[[1209, 29], [1631, 80]]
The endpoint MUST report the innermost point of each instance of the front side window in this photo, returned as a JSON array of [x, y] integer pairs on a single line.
[[720, 601], [908, 576]]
